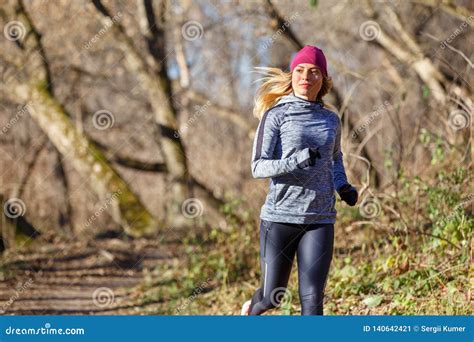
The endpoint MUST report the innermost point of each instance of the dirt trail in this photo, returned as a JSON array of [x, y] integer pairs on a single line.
[[82, 278]]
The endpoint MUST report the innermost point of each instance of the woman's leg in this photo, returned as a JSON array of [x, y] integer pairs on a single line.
[[314, 257], [278, 244]]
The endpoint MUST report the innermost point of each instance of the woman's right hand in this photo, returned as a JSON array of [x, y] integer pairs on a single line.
[[313, 155]]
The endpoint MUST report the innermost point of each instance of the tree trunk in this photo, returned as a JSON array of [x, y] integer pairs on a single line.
[[127, 210], [158, 85]]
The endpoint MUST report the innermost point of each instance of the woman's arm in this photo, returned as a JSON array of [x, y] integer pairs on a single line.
[[263, 164]]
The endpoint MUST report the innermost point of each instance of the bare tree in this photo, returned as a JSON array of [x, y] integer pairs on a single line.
[[88, 160]]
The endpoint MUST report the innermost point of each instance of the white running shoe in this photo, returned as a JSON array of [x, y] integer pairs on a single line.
[[245, 308]]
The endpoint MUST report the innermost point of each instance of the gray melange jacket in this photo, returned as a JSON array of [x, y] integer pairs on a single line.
[[283, 138]]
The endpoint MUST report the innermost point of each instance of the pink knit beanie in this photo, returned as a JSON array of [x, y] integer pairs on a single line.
[[310, 54]]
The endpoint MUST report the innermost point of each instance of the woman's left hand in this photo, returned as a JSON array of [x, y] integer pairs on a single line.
[[348, 194]]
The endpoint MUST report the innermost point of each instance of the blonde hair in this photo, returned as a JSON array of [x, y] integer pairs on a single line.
[[276, 84]]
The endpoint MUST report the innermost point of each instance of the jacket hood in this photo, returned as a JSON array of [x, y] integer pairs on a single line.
[[292, 98]]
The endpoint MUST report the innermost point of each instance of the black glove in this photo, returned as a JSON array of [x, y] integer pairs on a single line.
[[348, 194], [313, 155]]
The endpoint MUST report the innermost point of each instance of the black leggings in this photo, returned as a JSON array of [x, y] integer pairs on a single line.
[[279, 242]]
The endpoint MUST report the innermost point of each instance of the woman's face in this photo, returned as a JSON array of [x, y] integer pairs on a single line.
[[306, 81]]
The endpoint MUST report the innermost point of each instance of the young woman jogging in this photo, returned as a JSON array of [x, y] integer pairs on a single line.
[[298, 147]]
